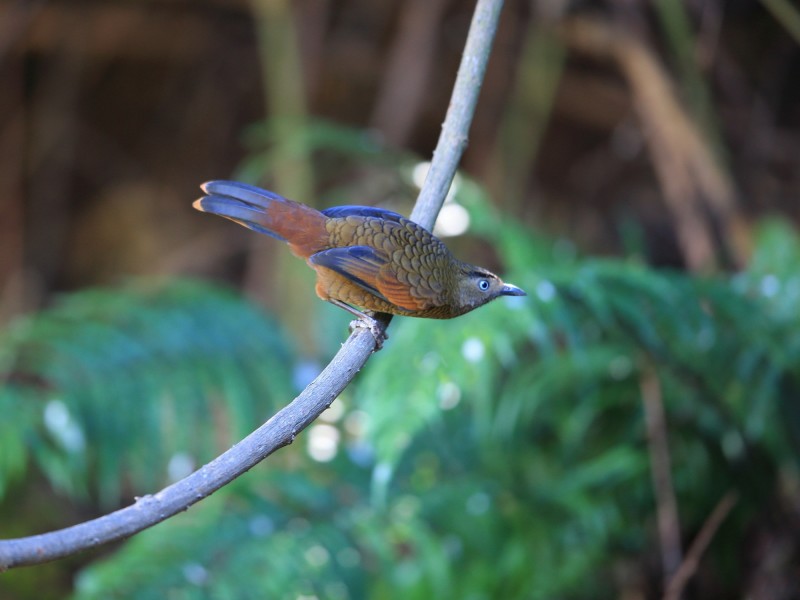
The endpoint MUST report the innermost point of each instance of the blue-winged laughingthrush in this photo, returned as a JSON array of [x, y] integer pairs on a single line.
[[365, 258]]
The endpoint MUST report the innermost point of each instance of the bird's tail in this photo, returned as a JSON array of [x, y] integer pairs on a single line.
[[301, 226]]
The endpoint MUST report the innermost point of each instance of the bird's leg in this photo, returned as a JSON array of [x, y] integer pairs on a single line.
[[363, 320]]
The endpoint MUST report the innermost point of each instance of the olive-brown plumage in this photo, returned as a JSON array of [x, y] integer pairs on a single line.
[[365, 258]]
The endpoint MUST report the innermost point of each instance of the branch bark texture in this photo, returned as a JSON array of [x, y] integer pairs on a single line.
[[282, 428], [453, 139]]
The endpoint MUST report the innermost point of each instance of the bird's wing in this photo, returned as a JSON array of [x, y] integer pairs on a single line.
[[359, 264], [394, 284], [366, 267], [336, 212]]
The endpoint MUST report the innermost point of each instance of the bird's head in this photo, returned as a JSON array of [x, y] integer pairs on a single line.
[[477, 286]]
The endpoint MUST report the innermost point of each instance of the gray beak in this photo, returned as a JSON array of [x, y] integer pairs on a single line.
[[511, 290]]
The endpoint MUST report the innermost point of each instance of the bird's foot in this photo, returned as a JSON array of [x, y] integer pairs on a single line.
[[364, 320], [375, 328]]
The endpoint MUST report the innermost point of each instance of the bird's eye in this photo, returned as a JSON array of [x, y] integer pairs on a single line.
[[483, 284]]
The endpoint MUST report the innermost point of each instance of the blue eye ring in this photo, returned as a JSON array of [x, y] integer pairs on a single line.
[[483, 285]]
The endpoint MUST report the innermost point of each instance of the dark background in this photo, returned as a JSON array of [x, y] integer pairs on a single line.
[[113, 112]]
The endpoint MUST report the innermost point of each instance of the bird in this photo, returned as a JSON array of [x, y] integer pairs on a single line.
[[367, 259]]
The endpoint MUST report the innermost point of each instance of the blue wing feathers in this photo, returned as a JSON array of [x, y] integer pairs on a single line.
[[336, 212], [359, 264]]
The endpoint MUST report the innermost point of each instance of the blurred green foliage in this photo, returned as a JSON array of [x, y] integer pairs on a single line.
[[501, 454], [102, 389]]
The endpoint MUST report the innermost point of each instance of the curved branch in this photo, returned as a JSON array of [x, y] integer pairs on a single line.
[[455, 129], [148, 510], [282, 428]]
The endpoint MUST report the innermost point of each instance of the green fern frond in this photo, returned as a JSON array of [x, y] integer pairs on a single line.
[[517, 446], [107, 386]]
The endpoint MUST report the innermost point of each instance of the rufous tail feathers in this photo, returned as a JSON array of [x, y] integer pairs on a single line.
[[301, 226]]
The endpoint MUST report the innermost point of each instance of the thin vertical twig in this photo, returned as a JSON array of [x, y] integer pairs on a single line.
[[691, 179], [688, 567], [669, 533], [454, 136]]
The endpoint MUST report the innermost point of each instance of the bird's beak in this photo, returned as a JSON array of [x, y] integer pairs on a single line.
[[511, 290]]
